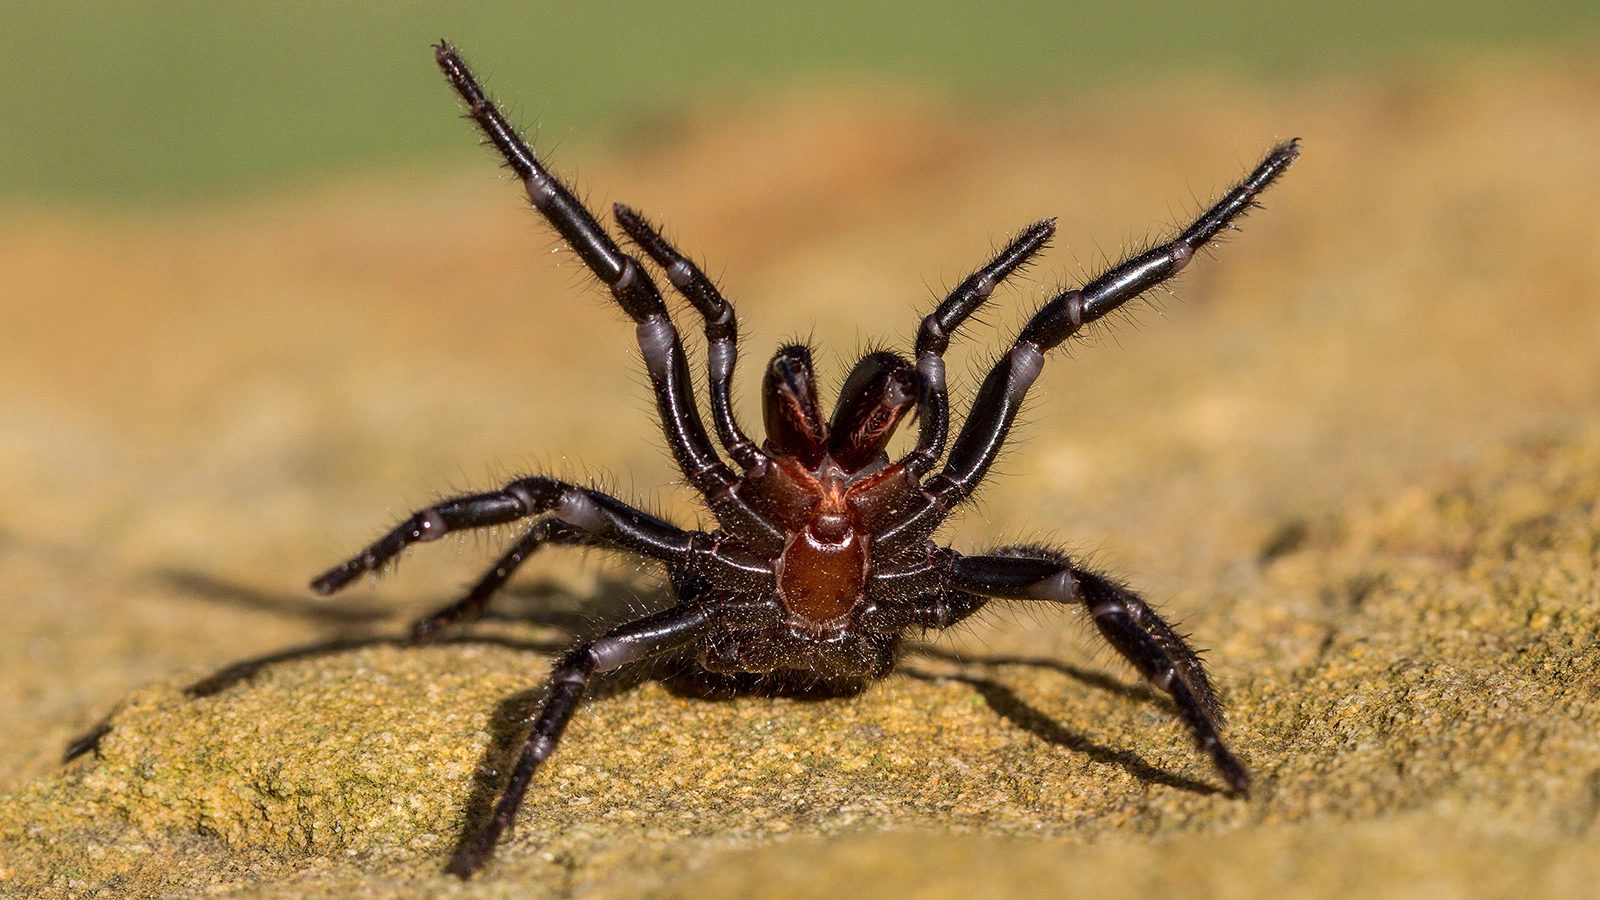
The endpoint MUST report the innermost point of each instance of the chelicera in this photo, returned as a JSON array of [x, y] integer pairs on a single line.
[[823, 556]]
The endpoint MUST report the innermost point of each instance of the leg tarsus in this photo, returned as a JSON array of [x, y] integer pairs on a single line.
[[568, 680], [470, 511], [1162, 656]]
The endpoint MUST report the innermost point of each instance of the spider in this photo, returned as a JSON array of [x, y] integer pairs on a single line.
[[823, 554]]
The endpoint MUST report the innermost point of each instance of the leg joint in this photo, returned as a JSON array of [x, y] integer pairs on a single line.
[[576, 508], [575, 667]]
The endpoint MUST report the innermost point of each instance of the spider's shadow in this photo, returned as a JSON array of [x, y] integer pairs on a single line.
[[1007, 704], [354, 627], [552, 606]]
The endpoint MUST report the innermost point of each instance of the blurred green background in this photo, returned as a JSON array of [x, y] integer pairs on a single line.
[[161, 102]]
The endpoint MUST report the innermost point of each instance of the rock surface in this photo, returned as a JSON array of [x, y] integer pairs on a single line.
[[1361, 461]]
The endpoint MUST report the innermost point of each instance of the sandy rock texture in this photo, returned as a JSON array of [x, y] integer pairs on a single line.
[[1360, 460]]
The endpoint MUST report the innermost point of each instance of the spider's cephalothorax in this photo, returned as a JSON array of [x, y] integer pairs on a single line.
[[824, 554]]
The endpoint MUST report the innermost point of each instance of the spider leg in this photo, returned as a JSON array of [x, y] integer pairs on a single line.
[[633, 290], [471, 606], [933, 338], [1127, 623], [940, 609], [722, 330], [720, 562], [1001, 394], [569, 679]]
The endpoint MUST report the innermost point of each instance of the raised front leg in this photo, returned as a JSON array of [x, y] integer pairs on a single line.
[[1126, 622], [633, 290], [933, 338], [1000, 396], [1002, 392], [722, 330]]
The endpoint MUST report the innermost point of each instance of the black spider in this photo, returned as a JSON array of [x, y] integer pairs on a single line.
[[823, 556]]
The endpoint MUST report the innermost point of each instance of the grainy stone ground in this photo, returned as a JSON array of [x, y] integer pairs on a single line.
[[1360, 460]]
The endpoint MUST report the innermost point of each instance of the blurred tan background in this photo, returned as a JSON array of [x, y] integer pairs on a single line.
[[231, 357]]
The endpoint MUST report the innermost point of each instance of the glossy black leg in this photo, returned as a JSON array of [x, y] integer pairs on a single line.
[[719, 561], [471, 606], [1126, 622], [1002, 392], [933, 338], [722, 330], [937, 610], [647, 637], [999, 398], [629, 284]]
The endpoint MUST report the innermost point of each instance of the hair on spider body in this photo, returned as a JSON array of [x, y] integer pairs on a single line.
[[822, 557]]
